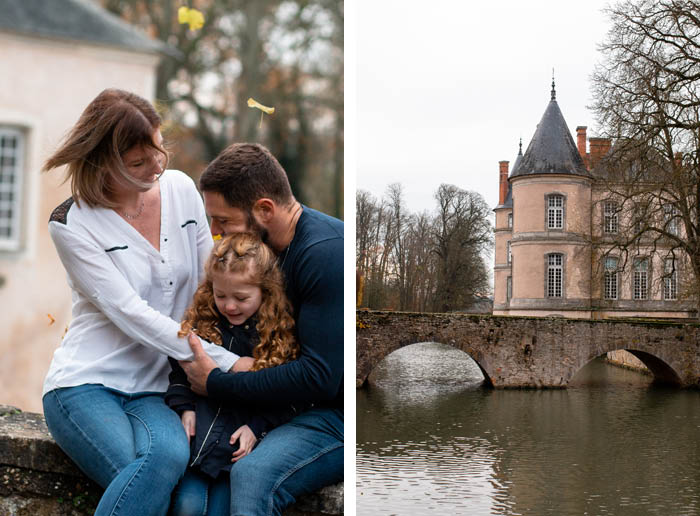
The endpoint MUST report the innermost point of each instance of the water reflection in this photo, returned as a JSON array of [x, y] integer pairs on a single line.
[[431, 441]]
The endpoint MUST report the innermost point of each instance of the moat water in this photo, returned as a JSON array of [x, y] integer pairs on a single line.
[[432, 440]]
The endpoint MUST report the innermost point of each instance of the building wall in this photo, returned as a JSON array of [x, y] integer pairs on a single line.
[[583, 244], [50, 84], [532, 241], [502, 270]]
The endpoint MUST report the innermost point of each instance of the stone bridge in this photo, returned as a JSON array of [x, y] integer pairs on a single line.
[[525, 352]]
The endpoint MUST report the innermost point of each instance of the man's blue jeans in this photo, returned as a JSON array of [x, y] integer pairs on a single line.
[[133, 445], [296, 458]]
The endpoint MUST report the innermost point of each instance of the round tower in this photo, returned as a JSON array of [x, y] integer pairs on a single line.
[[550, 244]]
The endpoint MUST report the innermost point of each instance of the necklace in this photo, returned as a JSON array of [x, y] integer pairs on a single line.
[[285, 255], [292, 240], [136, 215]]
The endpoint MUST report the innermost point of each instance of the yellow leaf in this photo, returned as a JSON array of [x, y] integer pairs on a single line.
[[217, 237], [193, 17], [255, 104]]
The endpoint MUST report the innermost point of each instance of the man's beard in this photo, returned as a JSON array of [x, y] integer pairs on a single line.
[[257, 229]]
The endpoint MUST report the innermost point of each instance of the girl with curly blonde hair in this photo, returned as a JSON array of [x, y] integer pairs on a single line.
[[240, 305]]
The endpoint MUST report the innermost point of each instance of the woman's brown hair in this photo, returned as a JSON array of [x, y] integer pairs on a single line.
[[245, 253], [113, 123]]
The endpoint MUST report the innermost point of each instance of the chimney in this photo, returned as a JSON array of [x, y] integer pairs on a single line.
[[599, 148], [581, 140], [502, 181]]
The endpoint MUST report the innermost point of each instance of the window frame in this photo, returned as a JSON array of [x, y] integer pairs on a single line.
[[670, 280], [611, 279], [549, 209], [610, 218], [640, 279], [551, 291], [14, 188], [671, 214]]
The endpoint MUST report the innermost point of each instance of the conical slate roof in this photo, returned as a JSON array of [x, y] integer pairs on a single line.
[[552, 149]]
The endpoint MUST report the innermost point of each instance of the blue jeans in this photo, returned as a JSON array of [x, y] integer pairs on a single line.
[[200, 495], [296, 458], [132, 445]]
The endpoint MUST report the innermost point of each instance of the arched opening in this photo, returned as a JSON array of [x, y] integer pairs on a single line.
[[612, 368], [427, 367]]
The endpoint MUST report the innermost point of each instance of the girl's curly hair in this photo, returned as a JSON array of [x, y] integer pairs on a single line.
[[246, 253]]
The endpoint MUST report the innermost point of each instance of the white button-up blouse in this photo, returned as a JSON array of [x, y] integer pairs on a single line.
[[129, 298]]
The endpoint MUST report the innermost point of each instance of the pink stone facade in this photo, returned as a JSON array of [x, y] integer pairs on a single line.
[[551, 261]]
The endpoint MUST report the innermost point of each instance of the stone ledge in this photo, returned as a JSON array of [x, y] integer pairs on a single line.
[[38, 479]]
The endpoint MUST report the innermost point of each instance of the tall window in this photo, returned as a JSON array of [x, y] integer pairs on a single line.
[[555, 212], [611, 277], [554, 275], [671, 219], [670, 280], [509, 256], [11, 153], [510, 220], [610, 217], [641, 278], [509, 287]]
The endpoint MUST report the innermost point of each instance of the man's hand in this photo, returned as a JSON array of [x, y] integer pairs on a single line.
[[188, 421], [198, 370], [246, 440]]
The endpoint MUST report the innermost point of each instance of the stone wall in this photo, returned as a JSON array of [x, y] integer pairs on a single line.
[[622, 358], [533, 352], [38, 479]]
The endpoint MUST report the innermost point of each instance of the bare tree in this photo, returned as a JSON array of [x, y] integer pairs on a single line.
[[462, 233], [283, 53], [647, 100]]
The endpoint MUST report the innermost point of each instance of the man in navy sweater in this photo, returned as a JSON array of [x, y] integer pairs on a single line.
[[246, 189]]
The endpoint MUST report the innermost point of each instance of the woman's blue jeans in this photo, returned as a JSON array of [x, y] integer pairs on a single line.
[[133, 445], [296, 458]]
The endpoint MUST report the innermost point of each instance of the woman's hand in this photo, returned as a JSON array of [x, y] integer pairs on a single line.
[[188, 421], [246, 441], [243, 364]]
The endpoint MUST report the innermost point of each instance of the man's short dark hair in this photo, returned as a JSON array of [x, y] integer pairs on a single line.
[[245, 172]]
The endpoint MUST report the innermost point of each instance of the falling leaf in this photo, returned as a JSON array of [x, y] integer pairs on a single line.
[[217, 237], [264, 109], [51, 319], [191, 16], [255, 104]]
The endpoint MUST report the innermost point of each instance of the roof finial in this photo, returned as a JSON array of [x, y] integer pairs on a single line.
[[554, 92], [520, 151]]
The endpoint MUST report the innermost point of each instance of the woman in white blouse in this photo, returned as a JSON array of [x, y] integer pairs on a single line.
[[133, 239]]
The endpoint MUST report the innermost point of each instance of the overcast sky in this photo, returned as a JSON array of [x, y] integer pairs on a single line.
[[446, 88]]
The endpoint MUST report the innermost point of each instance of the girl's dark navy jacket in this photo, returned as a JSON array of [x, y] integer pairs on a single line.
[[216, 421]]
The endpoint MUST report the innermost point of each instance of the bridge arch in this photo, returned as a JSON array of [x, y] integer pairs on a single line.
[[526, 352], [661, 371], [379, 357]]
